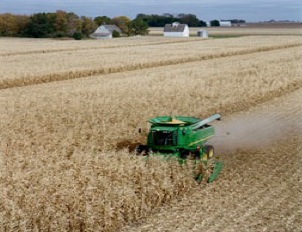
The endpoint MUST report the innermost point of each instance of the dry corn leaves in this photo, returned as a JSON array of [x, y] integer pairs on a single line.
[[58, 168]]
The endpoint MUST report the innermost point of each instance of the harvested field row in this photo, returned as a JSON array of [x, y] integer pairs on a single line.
[[36, 65], [97, 113], [24, 46], [9, 81]]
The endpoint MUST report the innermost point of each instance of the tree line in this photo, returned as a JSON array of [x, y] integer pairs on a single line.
[[68, 24], [155, 20], [64, 24]]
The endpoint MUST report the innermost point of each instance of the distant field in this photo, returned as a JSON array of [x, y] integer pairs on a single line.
[[71, 109], [26, 46], [114, 56], [250, 29]]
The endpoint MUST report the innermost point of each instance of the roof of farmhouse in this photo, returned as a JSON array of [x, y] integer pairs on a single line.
[[175, 27], [112, 28]]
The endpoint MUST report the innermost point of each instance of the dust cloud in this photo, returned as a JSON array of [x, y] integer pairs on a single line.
[[261, 126]]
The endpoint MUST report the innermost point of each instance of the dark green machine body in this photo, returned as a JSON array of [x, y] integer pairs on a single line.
[[184, 137]]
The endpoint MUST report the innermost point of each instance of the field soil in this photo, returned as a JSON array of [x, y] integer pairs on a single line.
[[260, 187]]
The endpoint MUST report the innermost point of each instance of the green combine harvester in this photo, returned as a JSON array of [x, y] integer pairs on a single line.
[[186, 139]]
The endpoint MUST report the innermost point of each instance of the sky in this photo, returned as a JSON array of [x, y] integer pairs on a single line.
[[249, 10]]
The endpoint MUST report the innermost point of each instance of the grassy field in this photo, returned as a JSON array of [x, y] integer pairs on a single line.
[[69, 111]]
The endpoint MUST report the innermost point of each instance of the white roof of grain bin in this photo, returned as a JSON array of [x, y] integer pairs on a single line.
[[202, 33]]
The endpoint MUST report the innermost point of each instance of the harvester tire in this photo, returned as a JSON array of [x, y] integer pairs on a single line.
[[141, 150], [208, 153], [208, 158]]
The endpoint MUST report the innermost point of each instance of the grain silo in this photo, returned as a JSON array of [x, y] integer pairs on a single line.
[[202, 33]]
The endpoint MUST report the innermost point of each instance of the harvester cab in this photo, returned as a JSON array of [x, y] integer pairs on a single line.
[[185, 138]]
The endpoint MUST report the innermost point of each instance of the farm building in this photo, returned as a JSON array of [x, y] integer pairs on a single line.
[[202, 33], [225, 23], [176, 30], [105, 32]]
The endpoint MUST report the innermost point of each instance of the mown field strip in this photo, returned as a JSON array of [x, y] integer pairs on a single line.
[[18, 46], [84, 63], [101, 46], [51, 77], [87, 107]]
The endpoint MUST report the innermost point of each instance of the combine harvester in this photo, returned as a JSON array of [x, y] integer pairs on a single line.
[[186, 139]]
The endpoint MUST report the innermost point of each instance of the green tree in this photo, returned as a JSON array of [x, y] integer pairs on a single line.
[[77, 35], [202, 23], [189, 19], [74, 24], [137, 27], [61, 23], [8, 26], [12, 25], [88, 26], [115, 34], [215, 23], [22, 22], [41, 25], [101, 20], [121, 22], [157, 20]]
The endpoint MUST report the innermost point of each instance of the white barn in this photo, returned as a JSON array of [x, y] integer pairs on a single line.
[[225, 23], [176, 30], [105, 32]]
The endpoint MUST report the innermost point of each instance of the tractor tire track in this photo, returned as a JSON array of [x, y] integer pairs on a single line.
[[69, 75], [241, 208], [246, 213]]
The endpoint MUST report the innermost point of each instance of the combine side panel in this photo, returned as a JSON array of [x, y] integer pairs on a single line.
[[199, 136]]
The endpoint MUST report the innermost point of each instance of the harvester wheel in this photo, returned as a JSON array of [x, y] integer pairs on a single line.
[[208, 163], [141, 150], [208, 153]]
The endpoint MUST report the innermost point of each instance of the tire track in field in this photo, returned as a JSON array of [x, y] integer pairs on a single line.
[[262, 198], [250, 211], [69, 75], [254, 194]]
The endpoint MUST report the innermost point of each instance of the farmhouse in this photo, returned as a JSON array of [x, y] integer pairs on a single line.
[[176, 30], [105, 32]]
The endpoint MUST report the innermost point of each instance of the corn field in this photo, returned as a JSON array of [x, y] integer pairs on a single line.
[[70, 111]]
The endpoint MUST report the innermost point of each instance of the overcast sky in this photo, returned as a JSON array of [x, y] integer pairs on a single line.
[[250, 10]]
